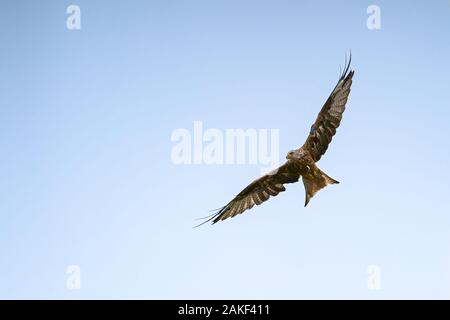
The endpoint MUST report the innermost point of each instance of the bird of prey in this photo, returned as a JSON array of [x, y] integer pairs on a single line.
[[300, 162]]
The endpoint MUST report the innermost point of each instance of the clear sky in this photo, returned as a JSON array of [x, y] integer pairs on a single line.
[[87, 178]]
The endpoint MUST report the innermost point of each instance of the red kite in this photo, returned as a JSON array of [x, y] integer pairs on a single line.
[[300, 162]]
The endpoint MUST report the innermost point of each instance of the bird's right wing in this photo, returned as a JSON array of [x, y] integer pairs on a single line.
[[259, 191]]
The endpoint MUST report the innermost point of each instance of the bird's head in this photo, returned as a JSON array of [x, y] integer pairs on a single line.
[[294, 154]]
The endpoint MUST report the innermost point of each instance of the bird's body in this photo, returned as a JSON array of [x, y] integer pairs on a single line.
[[300, 162]]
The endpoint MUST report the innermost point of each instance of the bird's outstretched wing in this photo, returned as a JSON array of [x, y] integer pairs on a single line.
[[330, 116], [259, 191]]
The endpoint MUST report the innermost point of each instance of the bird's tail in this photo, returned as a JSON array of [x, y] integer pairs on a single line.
[[316, 181]]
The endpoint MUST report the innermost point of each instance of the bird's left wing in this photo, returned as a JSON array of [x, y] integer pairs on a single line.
[[330, 116], [259, 191]]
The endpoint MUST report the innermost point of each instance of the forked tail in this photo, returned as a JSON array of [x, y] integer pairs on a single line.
[[314, 182]]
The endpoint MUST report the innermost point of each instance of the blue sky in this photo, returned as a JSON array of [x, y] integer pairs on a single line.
[[86, 176]]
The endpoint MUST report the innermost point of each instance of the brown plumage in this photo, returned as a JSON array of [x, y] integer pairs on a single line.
[[300, 162]]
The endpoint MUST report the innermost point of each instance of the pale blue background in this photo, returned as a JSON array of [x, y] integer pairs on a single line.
[[86, 176]]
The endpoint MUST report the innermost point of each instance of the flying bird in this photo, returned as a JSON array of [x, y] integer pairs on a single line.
[[300, 162]]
